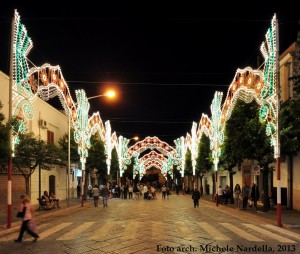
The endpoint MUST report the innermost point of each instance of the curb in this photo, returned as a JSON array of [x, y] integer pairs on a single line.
[[255, 215]]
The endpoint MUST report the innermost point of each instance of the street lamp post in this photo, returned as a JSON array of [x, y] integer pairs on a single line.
[[109, 94]]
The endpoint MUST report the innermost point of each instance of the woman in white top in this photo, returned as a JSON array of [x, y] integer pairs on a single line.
[[25, 204], [96, 192]]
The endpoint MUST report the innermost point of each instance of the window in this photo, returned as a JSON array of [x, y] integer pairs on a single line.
[[50, 137]]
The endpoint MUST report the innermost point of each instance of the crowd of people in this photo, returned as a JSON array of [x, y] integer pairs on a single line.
[[247, 195], [128, 191], [142, 191]]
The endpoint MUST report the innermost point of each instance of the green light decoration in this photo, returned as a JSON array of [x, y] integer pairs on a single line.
[[108, 146], [247, 85], [194, 147], [269, 93], [21, 92], [81, 132], [180, 151], [18, 126], [22, 46], [216, 133], [47, 82], [124, 157]]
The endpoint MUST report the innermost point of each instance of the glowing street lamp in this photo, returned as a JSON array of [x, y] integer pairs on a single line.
[[135, 138], [109, 94]]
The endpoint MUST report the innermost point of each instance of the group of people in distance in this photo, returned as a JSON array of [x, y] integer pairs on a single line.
[[240, 194], [50, 201]]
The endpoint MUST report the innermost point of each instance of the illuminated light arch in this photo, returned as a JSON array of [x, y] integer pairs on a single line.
[[247, 86], [125, 154], [204, 127], [96, 125], [152, 159]]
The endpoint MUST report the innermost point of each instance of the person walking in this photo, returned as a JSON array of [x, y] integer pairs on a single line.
[[196, 197], [104, 194], [227, 194], [245, 192], [220, 195], [27, 209], [95, 192], [163, 191], [237, 192]]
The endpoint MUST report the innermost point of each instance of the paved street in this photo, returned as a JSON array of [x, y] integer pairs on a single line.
[[154, 226]]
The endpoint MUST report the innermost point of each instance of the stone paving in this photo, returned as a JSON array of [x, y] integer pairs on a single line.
[[289, 218], [151, 226]]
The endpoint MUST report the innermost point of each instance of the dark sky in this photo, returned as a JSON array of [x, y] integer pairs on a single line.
[[166, 61]]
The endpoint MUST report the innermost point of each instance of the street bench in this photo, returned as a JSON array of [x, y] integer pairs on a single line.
[[42, 204]]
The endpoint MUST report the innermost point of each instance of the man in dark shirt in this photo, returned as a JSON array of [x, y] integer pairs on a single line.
[[196, 197]]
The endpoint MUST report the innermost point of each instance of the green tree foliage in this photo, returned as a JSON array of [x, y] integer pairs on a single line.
[[97, 157], [114, 167], [128, 173], [4, 140], [64, 146], [204, 160], [32, 152], [234, 148], [188, 168], [245, 138]]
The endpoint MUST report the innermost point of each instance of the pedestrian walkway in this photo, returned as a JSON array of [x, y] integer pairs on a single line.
[[152, 226], [289, 218]]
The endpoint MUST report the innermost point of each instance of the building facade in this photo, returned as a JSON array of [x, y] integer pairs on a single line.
[[50, 125]]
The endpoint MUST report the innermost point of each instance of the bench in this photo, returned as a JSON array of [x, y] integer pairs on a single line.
[[42, 204]]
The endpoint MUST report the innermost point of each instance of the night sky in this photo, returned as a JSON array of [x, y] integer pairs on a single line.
[[166, 61]]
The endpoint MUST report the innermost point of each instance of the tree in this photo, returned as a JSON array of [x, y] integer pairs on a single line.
[[32, 152], [4, 140], [64, 147], [204, 160], [245, 138], [188, 167], [114, 167], [235, 146], [128, 173], [97, 158]]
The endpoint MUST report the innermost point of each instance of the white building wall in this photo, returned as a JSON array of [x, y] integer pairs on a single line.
[[4, 95], [57, 123]]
